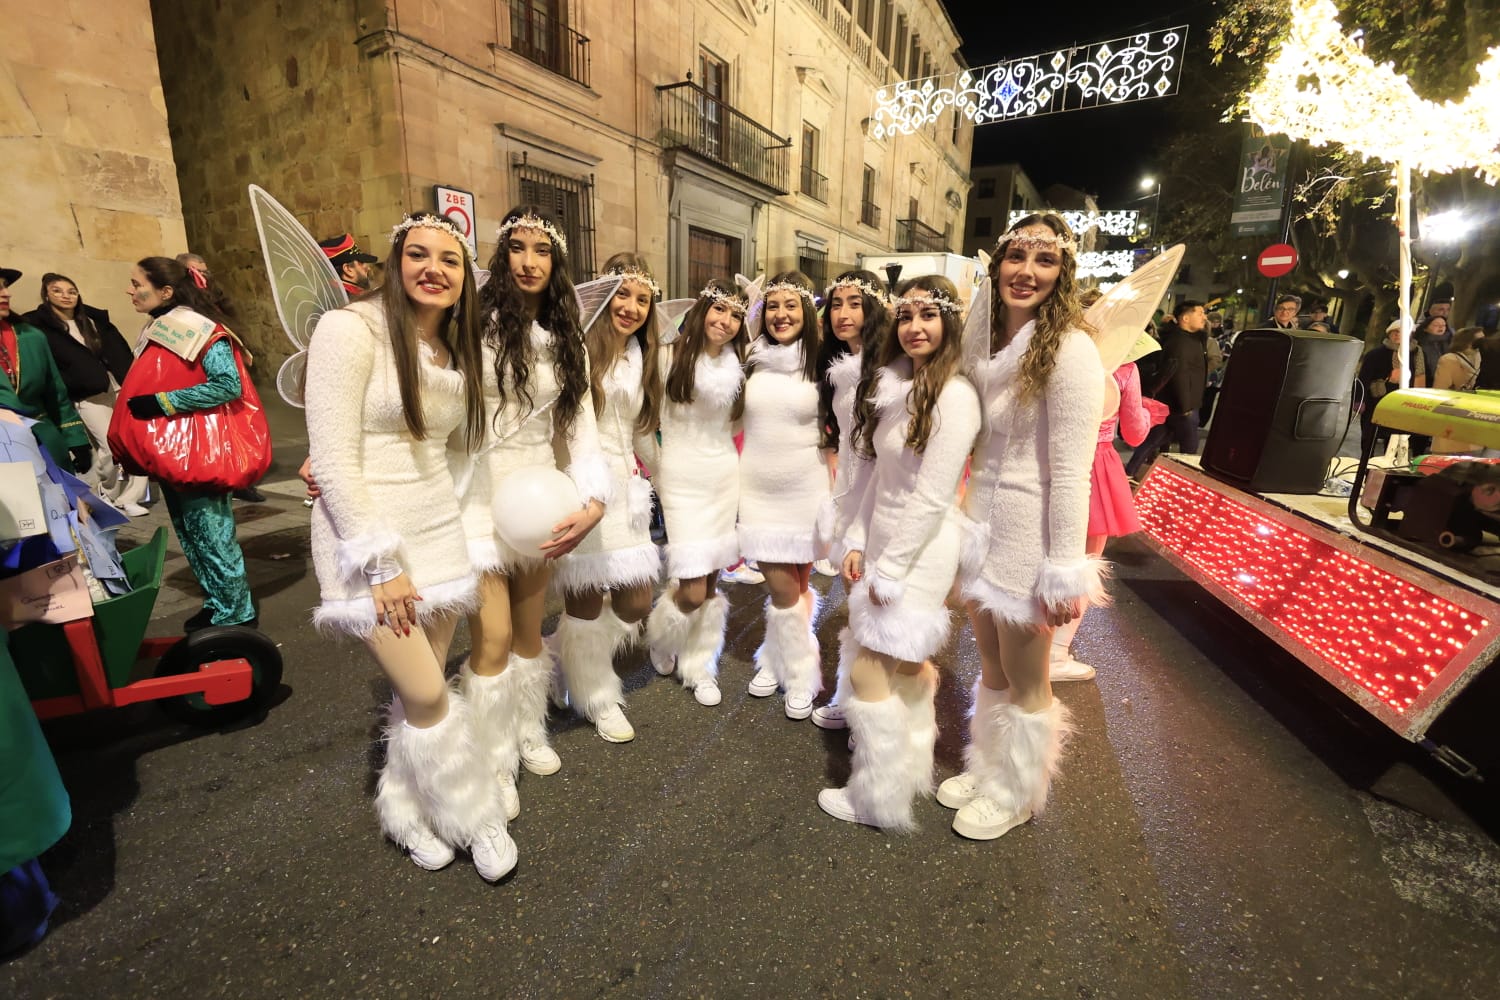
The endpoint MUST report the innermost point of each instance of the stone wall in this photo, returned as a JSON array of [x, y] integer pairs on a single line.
[[90, 186]]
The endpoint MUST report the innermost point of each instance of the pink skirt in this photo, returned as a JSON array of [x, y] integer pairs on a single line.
[[1111, 507]]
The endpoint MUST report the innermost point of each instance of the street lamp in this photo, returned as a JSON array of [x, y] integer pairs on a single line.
[[1447, 227], [1150, 183], [1344, 275]]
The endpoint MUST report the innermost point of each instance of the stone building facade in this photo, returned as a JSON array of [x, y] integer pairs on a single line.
[[90, 185], [712, 136]]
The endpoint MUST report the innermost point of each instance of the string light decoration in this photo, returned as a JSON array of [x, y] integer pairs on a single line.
[[1121, 223], [1122, 70], [1376, 631], [1106, 263], [1321, 87]]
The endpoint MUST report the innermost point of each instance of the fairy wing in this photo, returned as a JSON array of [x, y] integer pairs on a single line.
[[977, 324], [304, 284], [1123, 312], [593, 296], [669, 314]]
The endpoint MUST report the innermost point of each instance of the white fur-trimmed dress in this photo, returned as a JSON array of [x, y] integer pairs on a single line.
[[387, 503], [619, 552], [783, 476], [905, 518], [1030, 482], [520, 438], [696, 468]]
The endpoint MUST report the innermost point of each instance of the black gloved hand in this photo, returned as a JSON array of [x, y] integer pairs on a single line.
[[83, 458], [145, 407]]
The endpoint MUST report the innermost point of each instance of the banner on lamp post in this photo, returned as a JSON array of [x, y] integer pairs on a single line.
[[1260, 189]]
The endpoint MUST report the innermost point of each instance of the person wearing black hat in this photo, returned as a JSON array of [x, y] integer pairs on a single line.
[[351, 263], [31, 385]]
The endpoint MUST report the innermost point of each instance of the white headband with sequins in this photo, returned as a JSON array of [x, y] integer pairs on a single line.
[[1028, 240], [533, 222], [865, 288], [783, 286], [639, 277], [437, 222], [730, 300], [937, 300]]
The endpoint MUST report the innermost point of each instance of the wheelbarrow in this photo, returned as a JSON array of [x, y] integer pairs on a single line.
[[209, 677]]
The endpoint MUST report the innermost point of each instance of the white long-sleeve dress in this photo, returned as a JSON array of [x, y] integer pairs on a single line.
[[387, 502], [521, 438], [1030, 482], [696, 468], [783, 476], [905, 518], [619, 552]]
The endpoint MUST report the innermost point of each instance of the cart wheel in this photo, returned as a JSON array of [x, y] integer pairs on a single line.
[[221, 642]]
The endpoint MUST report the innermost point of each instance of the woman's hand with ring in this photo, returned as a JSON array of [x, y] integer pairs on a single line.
[[396, 604]]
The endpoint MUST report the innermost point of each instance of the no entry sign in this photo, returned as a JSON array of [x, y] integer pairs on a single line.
[[1277, 260]]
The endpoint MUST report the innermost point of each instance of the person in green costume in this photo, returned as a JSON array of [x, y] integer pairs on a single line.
[[34, 814], [31, 385]]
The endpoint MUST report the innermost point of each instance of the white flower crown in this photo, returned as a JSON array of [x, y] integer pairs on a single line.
[[865, 288], [1028, 240], [783, 286], [732, 301], [533, 222], [639, 277], [919, 299], [429, 222]]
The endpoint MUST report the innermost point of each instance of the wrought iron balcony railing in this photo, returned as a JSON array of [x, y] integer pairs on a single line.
[[548, 43], [814, 184], [695, 120], [869, 214], [917, 237]]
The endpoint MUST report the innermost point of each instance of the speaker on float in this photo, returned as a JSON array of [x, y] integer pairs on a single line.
[[1283, 410]]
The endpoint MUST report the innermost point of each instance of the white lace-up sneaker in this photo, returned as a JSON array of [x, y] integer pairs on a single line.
[[663, 663], [427, 851], [763, 684], [707, 692], [983, 819], [824, 568], [494, 853], [1066, 668], [538, 758], [958, 791], [613, 727], [743, 573], [830, 716], [798, 706], [510, 799], [835, 802]]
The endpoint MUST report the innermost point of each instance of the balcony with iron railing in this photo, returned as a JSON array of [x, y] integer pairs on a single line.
[[694, 120], [869, 214], [548, 43], [814, 184], [918, 237]]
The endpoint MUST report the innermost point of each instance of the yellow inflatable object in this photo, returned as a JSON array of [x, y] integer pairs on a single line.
[[1443, 414]]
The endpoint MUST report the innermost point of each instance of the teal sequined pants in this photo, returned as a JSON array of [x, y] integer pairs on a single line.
[[205, 528]]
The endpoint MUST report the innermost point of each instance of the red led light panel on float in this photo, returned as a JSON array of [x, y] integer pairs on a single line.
[[1379, 636]]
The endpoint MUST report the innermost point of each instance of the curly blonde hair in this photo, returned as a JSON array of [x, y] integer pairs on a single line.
[[1058, 314]]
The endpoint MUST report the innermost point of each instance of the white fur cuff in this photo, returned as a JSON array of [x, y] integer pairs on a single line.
[[885, 587], [777, 545], [690, 560], [910, 634], [580, 572], [363, 554], [590, 473], [1058, 583], [1005, 606], [974, 546], [357, 617], [638, 503]]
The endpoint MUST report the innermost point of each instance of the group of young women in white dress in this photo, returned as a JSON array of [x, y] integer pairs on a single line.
[[858, 429]]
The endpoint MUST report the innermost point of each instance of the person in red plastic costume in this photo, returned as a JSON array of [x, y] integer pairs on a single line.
[[163, 288]]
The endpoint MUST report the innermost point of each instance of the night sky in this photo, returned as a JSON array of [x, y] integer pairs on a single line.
[[1105, 151]]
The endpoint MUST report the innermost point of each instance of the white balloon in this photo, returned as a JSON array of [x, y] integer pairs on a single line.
[[529, 502]]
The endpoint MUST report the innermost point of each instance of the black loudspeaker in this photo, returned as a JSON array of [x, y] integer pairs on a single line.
[[1283, 410]]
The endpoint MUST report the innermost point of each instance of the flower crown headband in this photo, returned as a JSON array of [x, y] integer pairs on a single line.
[[784, 286], [1026, 239], [732, 301], [917, 299], [866, 289], [529, 221], [638, 276], [437, 222]]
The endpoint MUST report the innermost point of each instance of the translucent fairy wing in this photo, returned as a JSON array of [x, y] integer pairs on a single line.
[[669, 316], [1123, 312], [304, 284], [593, 296], [1144, 345], [481, 276], [977, 324], [291, 378]]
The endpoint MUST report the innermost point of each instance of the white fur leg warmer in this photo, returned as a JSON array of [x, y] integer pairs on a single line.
[[436, 776], [880, 785], [699, 659], [1014, 753], [667, 627], [790, 650], [508, 708], [586, 652], [919, 694]]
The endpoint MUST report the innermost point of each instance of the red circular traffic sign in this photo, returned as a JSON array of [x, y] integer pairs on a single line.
[[1277, 260]]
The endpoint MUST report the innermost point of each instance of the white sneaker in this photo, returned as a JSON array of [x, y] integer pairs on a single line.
[[613, 727], [538, 758], [494, 853], [824, 568], [134, 510], [427, 851], [509, 797], [798, 706], [983, 819], [663, 663], [707, 693], [743, 573], [830, 716], [835, 802], [958, 791], [1069, 669], [763, 684]]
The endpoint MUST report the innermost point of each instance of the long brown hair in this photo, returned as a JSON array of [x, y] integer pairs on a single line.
[[928, 381], [604, 348], [689, 345], [809, 337], [1058, 313], [91, 337], [164, 272], [460, 332], [877, 322]]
